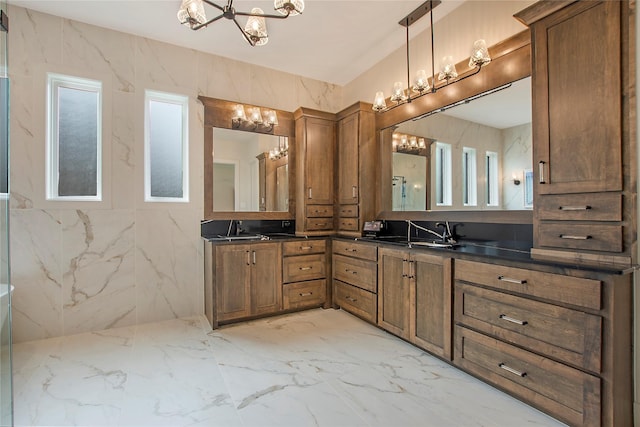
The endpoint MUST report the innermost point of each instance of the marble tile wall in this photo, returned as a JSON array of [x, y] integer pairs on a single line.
[[81, 267]]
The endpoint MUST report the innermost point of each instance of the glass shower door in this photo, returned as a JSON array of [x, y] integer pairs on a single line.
[[6, 394]]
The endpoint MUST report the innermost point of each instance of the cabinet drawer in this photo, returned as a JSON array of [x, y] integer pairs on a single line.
[[355, 300], [304, 247], [554, 287], [304, 267], [580, 207], [564, 392], [319, 211], [304, 294], [348, 224], [607, 238], [568, 335], [357, 272], [348, 211], [356, 250], [317, 224]]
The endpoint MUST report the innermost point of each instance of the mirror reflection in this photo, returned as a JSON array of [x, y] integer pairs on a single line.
[[474, 156], [250, 172]]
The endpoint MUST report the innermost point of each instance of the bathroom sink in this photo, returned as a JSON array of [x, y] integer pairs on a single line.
[[223, 238], [441, 245]]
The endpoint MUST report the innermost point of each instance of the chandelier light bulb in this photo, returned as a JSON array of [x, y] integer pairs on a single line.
[[191, 13], [448, 69], [479, 54], [421, 143], [289, 7], [238, 113], [379, 103], [256, 28], [398, 95], [421, 82], [255, 115]]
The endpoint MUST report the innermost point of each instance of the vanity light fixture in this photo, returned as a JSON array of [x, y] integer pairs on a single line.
[[282, 150], [193, 15], [409, 144], [256, 121], [447, 75], [515, 179]]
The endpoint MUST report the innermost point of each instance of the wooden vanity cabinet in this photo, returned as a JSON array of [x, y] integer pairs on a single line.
[[415, 298], [248, 280], [304, 272], [356, 165], [584, 206], [315, 146], [560, 342]]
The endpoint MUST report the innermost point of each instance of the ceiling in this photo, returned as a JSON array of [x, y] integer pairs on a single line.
[[333, 40]]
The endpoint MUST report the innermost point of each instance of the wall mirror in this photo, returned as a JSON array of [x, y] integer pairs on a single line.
[[248, 169], [463, 152], [469, 157], [248, 174]]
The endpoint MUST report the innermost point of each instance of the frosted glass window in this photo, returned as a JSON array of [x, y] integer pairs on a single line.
[[493, 196], [74, 143], [443, 174], [469, 177], [166, 148]]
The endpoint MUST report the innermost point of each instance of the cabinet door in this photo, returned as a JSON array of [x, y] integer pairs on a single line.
[[431, 311], [393, 291], [577, 100], [233, 279], [348, 159], [266, 278], [319, 161]]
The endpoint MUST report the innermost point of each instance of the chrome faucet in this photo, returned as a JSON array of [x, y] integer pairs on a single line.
[[446, 236]]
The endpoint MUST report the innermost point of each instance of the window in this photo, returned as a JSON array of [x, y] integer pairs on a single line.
[[469, 177], [493, 197], [166, 148], [443, 174], [74, 138]]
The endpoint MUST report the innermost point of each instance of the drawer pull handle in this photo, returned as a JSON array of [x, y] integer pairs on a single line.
[[350, 250], [305, 268], [512, 320], [513, 371], [541, 179], [305, 294], [354, 192], [306, 248], [574, 237], [574, 208], [348, 298], [507, 279], [350, 271], [311, 194]]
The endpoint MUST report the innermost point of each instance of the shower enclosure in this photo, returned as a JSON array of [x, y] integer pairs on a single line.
[[6, 394]]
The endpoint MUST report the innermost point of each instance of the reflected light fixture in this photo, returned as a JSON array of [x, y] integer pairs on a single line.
[[282, 150], [193, 15], [448, 74], [409, 144], [256, 121]]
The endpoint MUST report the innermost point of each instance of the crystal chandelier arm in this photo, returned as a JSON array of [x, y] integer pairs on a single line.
[[244, 33], [204, 24], [263, 16], [220, 8]]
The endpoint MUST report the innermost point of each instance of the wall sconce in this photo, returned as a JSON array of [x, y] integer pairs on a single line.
[[515, 179], [258, 121]]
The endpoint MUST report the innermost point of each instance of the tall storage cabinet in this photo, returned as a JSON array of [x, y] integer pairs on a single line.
[[356, 168], [584, 203], [315, 147]]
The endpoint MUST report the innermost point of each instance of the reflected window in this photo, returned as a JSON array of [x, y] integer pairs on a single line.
[[469, 177], [166, 147], [74, 143], [443, 174], [493, 196]]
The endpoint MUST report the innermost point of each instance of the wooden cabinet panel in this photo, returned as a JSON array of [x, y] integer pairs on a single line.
[[568, 335], [318, 170], [319, 224], [319, 211], [570, 123], [348, 224], [580, 207], [394, 291], [553, 287], [590, 237], [348, 211], [233, 281], [304, 247], [431, 297], [348, 159], [266, 282], [304, 267], [357, 272], [564, 392], [356, 250], [304, 294], [355, 300]]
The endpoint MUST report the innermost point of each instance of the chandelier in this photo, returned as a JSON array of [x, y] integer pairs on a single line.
[[192, 14], [447, 75]]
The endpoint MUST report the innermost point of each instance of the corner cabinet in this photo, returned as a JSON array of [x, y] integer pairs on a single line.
[[583, 152], [357, 164], [315, 146]]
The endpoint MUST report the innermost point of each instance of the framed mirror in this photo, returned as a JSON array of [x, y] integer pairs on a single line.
[[248, 169], [458, 153]]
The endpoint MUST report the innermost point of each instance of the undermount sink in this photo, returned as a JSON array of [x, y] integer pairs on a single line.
[[442, 245]]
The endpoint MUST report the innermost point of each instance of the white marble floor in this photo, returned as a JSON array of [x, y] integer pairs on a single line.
[[314, 368]]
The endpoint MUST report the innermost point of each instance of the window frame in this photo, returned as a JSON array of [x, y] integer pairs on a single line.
[[444, 178], [171, 98], [469, 177], [54, 82]]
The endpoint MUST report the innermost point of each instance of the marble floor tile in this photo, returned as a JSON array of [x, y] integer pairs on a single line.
[[313, 368]]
